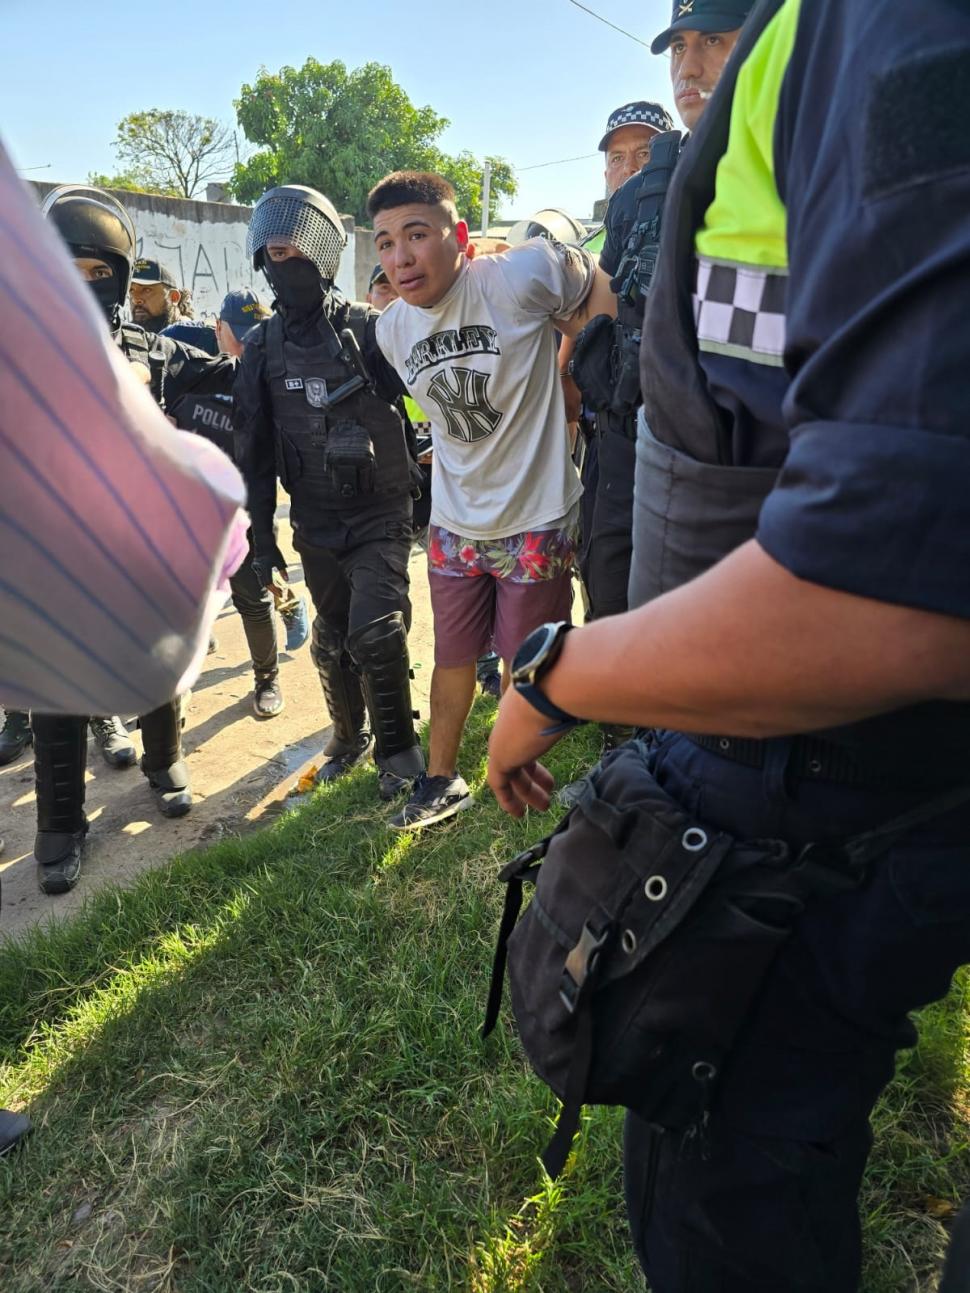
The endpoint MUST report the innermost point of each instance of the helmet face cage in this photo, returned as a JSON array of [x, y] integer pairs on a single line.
[[299, 223]]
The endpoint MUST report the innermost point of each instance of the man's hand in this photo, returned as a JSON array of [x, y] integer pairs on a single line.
[[572, 397], [141, 371], [266, 562], [518, 781]]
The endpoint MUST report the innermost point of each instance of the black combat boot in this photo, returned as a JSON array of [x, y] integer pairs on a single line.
[[345, 701], [15, 736], [60, 753], [162, 762], [380, 651]]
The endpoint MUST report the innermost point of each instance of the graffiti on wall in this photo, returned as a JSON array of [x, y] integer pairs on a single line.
[[210, 259]]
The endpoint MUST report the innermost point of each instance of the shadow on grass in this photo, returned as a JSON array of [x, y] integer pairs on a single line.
[[277, 1081]]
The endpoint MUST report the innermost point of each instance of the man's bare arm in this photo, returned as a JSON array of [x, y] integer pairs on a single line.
[[747, 649], [751, 650], [599, 300]]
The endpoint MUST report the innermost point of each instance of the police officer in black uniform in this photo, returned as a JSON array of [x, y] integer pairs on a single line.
[[804, 640], [606, 363], [198, 398], [316, 405], [607, 546], [101, 238]]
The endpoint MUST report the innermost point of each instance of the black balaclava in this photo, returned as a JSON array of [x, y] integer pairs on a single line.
[[298, 287], [106, 294], [105, 290]]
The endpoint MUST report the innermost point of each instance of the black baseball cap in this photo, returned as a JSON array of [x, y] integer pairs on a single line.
[[150, 271], [703, 15], [376, 274], [640, 113], [242, 310]]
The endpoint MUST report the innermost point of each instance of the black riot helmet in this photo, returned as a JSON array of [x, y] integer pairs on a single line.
[[303, 217], [551, 222], [95, 224]]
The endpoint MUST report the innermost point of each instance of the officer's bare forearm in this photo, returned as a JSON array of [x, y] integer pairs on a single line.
[[749, 649]]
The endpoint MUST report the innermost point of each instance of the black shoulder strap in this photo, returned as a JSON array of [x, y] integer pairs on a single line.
[[357, 316], [275, 357], [656, 175]]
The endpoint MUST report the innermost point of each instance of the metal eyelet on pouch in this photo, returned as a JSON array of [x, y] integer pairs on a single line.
[[703, 1071], [629, 941], [724, 743], [694, 839], [656, 888], [815, 766]]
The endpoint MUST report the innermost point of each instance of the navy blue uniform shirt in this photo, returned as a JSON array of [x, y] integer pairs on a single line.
[[872, 159]]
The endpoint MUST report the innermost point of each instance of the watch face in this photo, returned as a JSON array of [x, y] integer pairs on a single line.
[[533, 651]]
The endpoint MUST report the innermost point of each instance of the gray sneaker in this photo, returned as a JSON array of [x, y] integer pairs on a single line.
[[433, 799], [267, 698], [112, 739]]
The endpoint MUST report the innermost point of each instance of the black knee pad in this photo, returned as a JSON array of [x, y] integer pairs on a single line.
[[380, 642], [327, 644]]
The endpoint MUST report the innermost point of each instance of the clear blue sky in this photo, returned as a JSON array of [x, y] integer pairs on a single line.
[[534, 85]]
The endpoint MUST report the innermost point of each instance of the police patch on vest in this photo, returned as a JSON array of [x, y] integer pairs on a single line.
[[294, 383], [316, 391], [462, 396]]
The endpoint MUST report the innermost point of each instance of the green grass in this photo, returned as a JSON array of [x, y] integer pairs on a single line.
[[260, 1069]]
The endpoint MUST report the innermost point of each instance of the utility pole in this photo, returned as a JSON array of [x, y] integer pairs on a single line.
[[486, 196]]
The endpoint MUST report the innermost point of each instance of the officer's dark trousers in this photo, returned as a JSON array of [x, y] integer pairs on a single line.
[[766, 1202], [359, 583], [255, 606], [610, 545]]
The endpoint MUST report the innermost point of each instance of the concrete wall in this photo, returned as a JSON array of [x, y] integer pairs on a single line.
[[204, 245]]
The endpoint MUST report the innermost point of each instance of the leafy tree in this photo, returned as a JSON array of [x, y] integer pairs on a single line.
[[130, 182], [465, 173], [339, 131], [173, 152]]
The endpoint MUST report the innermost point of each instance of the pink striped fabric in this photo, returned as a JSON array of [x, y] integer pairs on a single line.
[[117, 532]]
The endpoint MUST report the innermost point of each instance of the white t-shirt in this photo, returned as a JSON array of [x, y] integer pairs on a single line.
[[482, 364]]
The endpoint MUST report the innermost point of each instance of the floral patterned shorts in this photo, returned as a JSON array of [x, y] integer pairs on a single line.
[[527, 582], [522, 558]]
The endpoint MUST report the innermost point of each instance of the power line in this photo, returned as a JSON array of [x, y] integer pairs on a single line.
[[599, 17], [559, 162]]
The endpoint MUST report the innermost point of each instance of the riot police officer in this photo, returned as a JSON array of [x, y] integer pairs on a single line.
[[101, 238], [316, 405]]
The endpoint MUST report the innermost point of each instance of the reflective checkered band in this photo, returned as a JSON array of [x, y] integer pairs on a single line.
[[641, 113], [740, 310]]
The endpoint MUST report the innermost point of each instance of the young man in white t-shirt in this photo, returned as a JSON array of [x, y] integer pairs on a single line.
[[474, 342]]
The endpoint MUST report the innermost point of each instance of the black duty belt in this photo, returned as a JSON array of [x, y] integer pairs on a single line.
[[610, 423], [810, 757]]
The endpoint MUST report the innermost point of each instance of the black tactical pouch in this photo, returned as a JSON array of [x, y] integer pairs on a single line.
[[649, 935], [592, 362], [350, 460]]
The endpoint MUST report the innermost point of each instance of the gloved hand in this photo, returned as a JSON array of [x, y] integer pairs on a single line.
[[264, 563]]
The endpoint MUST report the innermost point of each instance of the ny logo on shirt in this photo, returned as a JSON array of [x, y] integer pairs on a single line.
[[462, 396]]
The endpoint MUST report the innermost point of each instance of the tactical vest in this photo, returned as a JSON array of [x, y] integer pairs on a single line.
[[694, 505], [134, 344], [606, 361], [345, 456], [209, 416]]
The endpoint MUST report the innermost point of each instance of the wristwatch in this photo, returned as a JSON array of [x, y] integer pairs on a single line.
[[534, 658]]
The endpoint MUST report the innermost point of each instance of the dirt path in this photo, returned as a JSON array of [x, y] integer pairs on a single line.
[[242, 768]]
